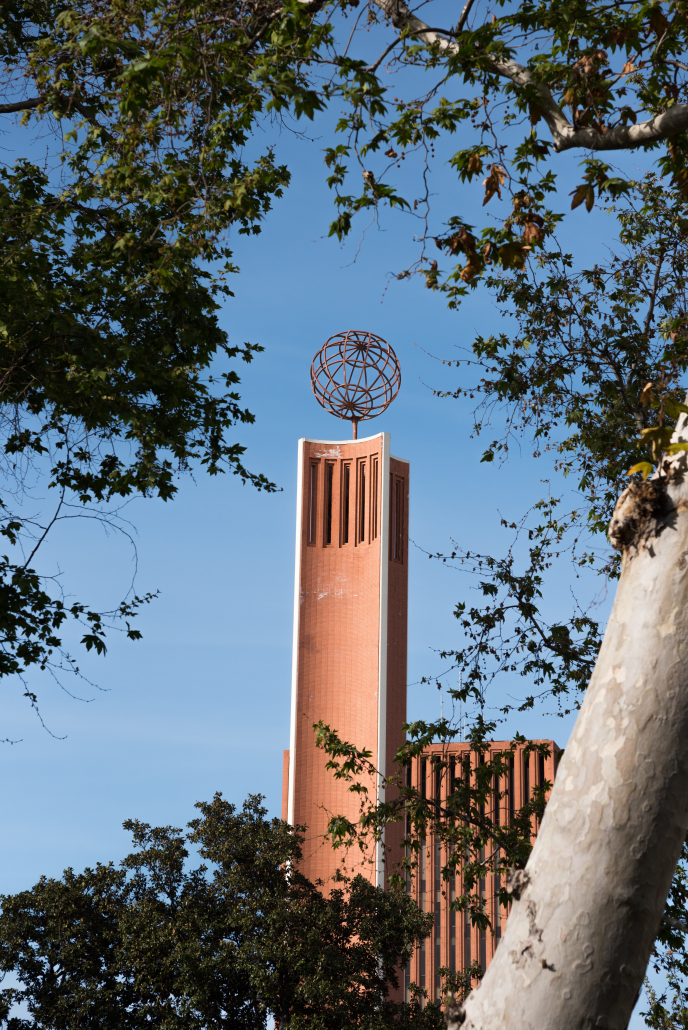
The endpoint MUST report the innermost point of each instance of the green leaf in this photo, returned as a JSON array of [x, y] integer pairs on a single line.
[[646, 468]]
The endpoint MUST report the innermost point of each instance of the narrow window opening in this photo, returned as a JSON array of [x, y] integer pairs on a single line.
[[374, 475], [408, 784], [497, 876], [526, 779], [329, 478], [452, 911], [312, 502], [346, 491], [397, 519], [423, 908], [482, 957], [362, 503], [438, 918], [541, 770], [512, 791]]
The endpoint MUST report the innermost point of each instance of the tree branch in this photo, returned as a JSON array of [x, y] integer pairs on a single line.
[[464, 14], [675, 924], [565, 136], [21, 105]]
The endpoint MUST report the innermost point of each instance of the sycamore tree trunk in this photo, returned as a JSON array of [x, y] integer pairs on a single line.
[[590, 901]]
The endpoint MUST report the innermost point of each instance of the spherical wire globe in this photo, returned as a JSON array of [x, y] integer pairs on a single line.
[[355, 376]]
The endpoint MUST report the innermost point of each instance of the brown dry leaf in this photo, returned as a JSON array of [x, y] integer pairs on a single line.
[[533, 233], [494, 182], [475, 164], [584, 192], [646, 395], [587, 64], [470, 271], [628, 67]]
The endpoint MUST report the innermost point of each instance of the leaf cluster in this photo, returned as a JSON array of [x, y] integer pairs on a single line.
[[157, 941]]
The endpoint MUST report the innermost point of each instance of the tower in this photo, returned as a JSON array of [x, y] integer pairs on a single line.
[[349, 666], [350, 602]]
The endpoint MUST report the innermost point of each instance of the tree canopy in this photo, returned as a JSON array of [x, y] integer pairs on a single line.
[[157, 941], [590, 368], [117, 377]]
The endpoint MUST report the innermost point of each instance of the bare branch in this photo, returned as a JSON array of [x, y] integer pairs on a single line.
[[464, 15], [21, 105]]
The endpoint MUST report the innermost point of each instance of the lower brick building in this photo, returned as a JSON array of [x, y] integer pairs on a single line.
[[455, 943]]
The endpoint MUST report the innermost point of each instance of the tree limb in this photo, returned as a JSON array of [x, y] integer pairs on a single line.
[[21, 105], [675, 924], [565, 136]]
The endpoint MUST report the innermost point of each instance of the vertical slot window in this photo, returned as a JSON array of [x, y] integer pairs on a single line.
[[423, 907], [438, 918], [397, 527], [497, 877], [526, 779], [312, 501], [362, 512], [512, 791], [346, 502], [329, 493], [452, 911], [408, 814], [374, 478]]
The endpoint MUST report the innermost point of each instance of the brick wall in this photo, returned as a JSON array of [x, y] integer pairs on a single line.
[[352, 566]]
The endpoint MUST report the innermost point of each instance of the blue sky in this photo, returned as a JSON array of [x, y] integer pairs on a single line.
[[201, 704]]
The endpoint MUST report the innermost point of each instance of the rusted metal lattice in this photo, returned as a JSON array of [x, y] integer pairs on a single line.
[[356, 376]]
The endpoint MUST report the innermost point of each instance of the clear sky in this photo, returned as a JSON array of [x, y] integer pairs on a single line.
[[201, 704]]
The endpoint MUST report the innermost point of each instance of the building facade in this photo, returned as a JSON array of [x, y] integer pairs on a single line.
[[349, 672], [350, 631], [455, 943]]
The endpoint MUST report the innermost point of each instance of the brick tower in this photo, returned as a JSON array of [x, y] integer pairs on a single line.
[[350, 629]]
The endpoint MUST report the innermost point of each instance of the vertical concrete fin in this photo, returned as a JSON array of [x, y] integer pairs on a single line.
[[295, 644], [382, 647], [285, 785]]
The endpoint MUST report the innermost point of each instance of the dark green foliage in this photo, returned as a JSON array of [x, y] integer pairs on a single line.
[[158, 943], [454, 808], [515, 84], [669, 1010], [115, 376]]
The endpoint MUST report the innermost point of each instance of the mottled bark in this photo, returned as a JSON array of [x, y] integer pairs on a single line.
[[579, 936]]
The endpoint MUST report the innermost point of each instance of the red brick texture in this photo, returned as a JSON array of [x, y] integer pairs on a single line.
[[352, 566], [338, 635], [455, 943]]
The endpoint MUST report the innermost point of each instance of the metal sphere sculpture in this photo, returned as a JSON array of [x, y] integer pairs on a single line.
[[356, 376]]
